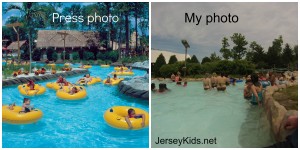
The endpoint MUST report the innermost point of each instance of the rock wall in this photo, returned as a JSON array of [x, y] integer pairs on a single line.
[[276, 113], [132, 91], [22, 80]]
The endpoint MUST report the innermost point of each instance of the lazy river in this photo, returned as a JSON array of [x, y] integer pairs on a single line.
[[225, 117], [75, 124]]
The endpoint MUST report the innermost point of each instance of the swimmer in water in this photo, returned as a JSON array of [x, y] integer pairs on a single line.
[[131, 114], [247, 90], [206, 82], [221, 82]]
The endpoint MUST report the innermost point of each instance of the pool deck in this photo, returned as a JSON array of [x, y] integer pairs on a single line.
[[21, 79]]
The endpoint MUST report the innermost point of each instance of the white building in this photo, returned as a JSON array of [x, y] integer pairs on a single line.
[[167, 54]]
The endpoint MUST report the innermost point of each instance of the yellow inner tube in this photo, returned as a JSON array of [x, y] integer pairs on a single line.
[[113, 81], [65, 95], [55, 86], [104, 66], [38, 90], [119, 68], [14, 117], [87, 66], [51, 65], [116, 118], [94, 80], [123, 73]]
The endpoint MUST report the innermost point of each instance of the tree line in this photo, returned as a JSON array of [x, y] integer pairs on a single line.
[[238, 60]]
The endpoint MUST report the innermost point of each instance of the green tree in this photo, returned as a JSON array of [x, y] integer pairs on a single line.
[[274, 53], [239, 50], [257, 55], [160, 61], [194, 59], [172, 59], [205, 60], [214, 57], [226, 53], [33, 17], [295, 52], [287, 55]]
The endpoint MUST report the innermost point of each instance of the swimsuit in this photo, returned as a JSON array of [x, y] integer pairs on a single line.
[[254, 101]]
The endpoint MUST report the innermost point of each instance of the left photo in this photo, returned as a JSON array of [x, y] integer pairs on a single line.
[[75, 75]]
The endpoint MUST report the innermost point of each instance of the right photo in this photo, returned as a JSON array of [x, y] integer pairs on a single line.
[[224, 75]]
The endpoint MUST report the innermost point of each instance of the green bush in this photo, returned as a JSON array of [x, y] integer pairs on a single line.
[[36, 55], [167, 70], [67, 56], [88, 55], [113, 55], [101, 55], [49, 53], [54, 56], [25, 54], [75, 56]]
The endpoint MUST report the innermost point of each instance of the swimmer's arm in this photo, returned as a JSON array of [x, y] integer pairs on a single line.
[[128, 122]]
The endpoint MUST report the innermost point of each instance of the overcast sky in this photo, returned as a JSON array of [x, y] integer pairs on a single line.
[[260, 22]]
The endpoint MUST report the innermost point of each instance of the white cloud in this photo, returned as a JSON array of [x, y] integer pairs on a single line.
[[261, 22]]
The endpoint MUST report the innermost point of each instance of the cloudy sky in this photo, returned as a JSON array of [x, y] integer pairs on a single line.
[[260, 22]]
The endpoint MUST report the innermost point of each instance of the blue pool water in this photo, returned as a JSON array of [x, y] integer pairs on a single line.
[[78, 124], [193, 112]]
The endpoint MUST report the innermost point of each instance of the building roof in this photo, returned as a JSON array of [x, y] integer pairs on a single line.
[[74, 38], [14, 45], [167, 54]]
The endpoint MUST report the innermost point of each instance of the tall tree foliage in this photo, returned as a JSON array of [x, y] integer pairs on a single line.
[[274, 53], [239, 50], [172, 59], [226, 53], [194, 59]]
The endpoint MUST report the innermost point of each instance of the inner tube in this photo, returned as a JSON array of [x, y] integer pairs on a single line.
[[87, 66], [52, 65], [113, 81], [64, 94], [15, 117], [55, 86], [25, 90], [123, 73], [94, 80], [119, 68], [104, 66], [115, 117]]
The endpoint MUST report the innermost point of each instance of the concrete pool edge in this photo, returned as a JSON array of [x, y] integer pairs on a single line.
[[276, 113], [22, 80]]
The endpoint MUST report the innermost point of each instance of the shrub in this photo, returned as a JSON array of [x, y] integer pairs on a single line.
[[88, 55], [113, 55], [75, 56], [167, 70], [67, 56], [101, 55], [49, 53], [54, 56], [36, 55]]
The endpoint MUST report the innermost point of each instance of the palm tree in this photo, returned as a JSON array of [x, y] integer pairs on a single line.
[[30, 12]]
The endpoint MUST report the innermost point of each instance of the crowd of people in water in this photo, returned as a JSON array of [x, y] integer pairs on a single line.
[[254, 83]]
